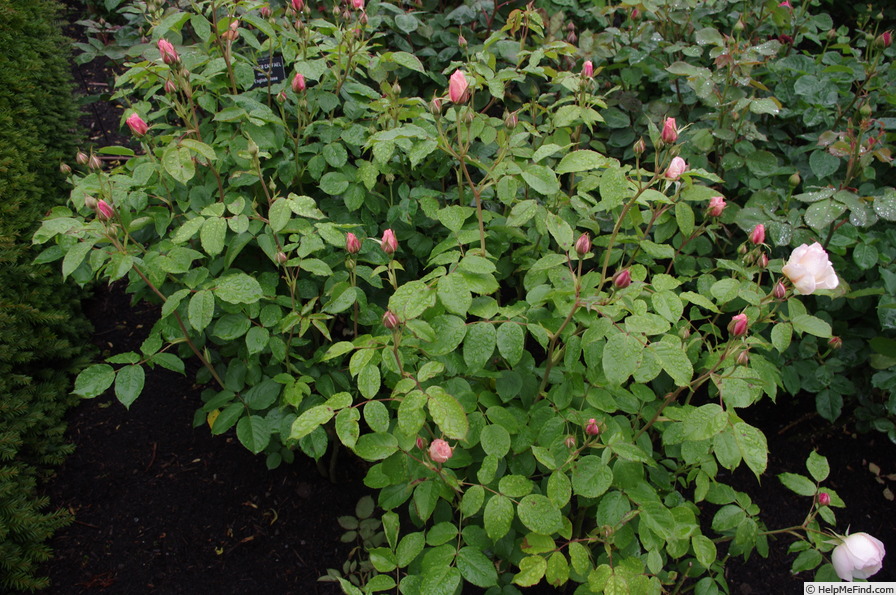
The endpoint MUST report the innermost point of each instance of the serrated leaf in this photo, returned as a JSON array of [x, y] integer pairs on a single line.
[[454, 294], [479, 345], [541, 179], [94, 380], [347, 428], [539, 514], [447, 413], [582, 160], [254, 433], [411, 300], [238, 288], [129, 384], [201, 309], [498, 516], [511, 341], [476, 568], [799, 484]]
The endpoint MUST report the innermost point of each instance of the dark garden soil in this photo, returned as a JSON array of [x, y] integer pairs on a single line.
[[161, 507]]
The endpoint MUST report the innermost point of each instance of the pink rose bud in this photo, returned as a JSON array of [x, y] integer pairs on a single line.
[[104, 210], [461, 41], [352, 243], [762, 261], [636, 14], [281, 97], [390, 321], [858, 556], [435, 106], [169, 54], [298, 83], [358, 4], [440, 451], [738, 325], [94, 162], [137, 125], [90, 202], [583, 244], [232, 32], [835, 342], [676, 168], [265, 12], [282, 257], [170, 86], [298, 5], [389, 243], [886, 39], [639, 147], [570, 441], [779, 291], [824, 498], [757, 236], [716, 206], [588, 69], [81, 158], [743, 358], [622, 279], [457, 87], [65, 168], [591, 428], [421, 443], [670, 132], [511, 120], [785, 4]]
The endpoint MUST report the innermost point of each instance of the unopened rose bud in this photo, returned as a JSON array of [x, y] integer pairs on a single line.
[[389, 242], [232, 32], [743, 358], [591, 428], [583, 244], [298, 5], [885, 39], [786, 4], [762, 261], [639, 147], [396, 88], [571, 38], [457, 87], [824, 498], [352, 243], [167, 51], [622, 279], [95, 163], [794, 180], [65, 168], [90, 202], [716, 206], [757, 236], [137, 125], [282, 257], [739, 25], [677, 167], [832, 34], [281, 97], [170, 86], [738, 325], [390, 321], [421, 443], [636, 14], [461, 41], [104, 210], [670, 132], [440, 451], [835, 342], [265, 12], [865, 110], [363, 19], [511, 120], [588, 69], [779, 291], [358, 4], [81, 158], [570, 441], [435, 106]]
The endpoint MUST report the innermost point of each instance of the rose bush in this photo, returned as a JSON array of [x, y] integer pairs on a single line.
[[370, 254]]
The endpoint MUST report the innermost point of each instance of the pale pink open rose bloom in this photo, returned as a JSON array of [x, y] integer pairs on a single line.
[[858, 556], [457, 87], [440, 451], [809, 269]]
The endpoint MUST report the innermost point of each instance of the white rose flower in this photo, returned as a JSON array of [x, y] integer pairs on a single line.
[[858, 556], [809, 269]]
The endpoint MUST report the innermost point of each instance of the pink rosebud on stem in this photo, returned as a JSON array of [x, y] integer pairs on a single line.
[[677, 167], [716, 206], [591, 428], [170, 86], [352, 243], [835, 342], [738, 325], [137, 125], [457, 87], [104, 210], [824, 498], [670, 132], [588, 69], [358, 4], [757, 236], [583, 244], [440, 451], [389, 243], [622, 279], [390, 321], [298, 5], [169, 54], [298, 83], [779, 291], [81, 158]]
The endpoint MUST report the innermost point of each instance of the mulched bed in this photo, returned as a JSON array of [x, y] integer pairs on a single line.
[[161, 507]]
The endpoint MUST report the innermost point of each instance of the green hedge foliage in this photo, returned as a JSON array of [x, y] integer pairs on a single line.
[[42, 335]]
